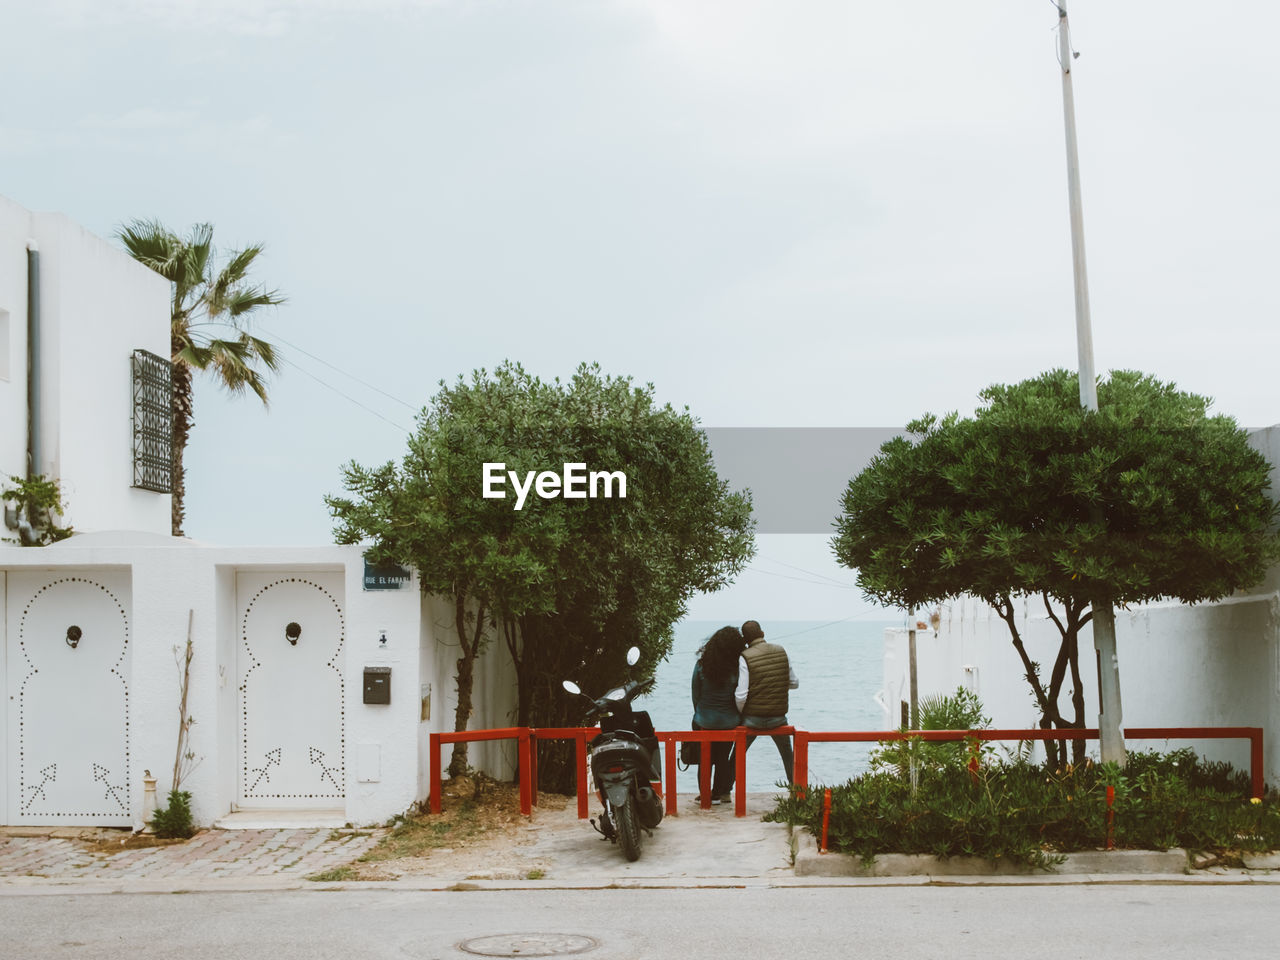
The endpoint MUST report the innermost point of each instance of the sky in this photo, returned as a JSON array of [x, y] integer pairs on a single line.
[[812, 213]]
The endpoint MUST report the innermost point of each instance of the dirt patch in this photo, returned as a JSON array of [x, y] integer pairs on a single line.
[[479, 832], [106, 842]]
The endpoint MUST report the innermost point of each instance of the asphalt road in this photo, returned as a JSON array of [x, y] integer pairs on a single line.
[[1130, 921]]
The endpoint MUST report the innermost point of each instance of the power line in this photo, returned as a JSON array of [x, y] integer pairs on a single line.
[[331, 366], [814, 583], [345, 396], [822, 626], [812, 573]]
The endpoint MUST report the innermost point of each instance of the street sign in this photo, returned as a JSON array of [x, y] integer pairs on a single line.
[[387, 576]]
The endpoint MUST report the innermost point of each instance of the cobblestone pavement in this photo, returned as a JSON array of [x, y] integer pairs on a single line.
[[230, 854]]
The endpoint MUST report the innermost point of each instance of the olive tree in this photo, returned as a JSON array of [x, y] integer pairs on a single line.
[[1149, 497], [569, 582]]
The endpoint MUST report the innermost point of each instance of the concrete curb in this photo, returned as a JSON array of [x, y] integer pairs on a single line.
[[41, 887], [1262, 861], [810, 863]]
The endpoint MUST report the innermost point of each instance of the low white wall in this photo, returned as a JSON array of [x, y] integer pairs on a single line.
[[1209, 665]]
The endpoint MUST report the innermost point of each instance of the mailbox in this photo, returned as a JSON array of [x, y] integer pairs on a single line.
[[377, 684]]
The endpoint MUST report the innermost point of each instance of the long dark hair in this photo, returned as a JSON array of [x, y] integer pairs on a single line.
[[719, 655]]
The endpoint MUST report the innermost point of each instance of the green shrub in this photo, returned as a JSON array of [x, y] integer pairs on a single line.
[[175, 819], [961, 710], [40, 500], [1033, 816]]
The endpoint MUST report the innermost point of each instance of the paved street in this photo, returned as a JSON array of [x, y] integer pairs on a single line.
[[991, 923], [707, 885]]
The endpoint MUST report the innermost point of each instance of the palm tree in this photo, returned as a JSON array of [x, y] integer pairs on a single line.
[[209, 314]]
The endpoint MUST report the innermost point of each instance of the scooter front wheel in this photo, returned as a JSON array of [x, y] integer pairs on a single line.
[[628, 829]]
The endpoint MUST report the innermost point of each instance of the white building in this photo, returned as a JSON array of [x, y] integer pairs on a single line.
[[92, 308], [313, 688]]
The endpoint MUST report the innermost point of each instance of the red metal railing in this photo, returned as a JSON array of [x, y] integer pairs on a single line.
[[1252, 734], [527, 737], [738, 737], [522, 735]]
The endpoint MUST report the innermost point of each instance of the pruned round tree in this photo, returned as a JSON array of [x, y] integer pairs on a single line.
[[569, 581], [1148, 498]]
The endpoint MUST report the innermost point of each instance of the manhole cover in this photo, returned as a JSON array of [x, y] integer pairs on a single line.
[[528, 945]]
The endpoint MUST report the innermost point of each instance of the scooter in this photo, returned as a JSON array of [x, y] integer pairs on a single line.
[[625, 758]]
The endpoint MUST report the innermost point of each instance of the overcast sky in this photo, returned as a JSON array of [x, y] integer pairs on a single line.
[[801, 213]]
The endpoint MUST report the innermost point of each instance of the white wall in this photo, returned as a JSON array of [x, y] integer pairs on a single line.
[[172, 579], [97, 307], [493, 696], [1213, 664], [15, 228]]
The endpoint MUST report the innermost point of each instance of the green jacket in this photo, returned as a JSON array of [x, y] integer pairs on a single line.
[[768, 680]]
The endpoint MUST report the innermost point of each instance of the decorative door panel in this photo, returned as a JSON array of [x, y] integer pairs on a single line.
[[67, 658], [291, 702]]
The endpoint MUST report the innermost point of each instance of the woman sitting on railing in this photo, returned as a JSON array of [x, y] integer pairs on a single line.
[[715, 676]]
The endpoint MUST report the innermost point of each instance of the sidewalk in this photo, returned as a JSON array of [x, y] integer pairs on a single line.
[[58, 856], [552, 849]]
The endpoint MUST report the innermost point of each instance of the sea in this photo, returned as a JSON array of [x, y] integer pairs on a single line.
[[840, 669]]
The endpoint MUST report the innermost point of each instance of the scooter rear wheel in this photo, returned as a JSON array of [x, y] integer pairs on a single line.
[[628, 829]]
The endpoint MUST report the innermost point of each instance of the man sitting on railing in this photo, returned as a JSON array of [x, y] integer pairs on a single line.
[[765, 676]]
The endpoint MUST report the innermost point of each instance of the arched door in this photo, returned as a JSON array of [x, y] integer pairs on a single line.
[[292, 746], [67, 655]]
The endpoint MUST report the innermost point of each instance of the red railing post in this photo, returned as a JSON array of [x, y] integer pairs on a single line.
[[1111, 813], [740, 772], [704, 774], [533, 767], [826, 819], [801, 762], [525, 739], [669, 772], [1255, 762], [433, 758], [584, 775]]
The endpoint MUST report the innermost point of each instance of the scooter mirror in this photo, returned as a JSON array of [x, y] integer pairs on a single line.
[[572, 687], [617, 693], [633, 656]]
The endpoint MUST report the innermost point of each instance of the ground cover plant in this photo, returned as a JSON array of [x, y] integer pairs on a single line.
[[1031, 814], [174, 821]]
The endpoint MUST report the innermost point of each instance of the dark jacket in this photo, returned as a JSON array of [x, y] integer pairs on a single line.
[[713, 704]]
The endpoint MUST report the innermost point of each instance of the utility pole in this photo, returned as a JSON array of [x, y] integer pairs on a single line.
[[912, 674], [1104, 623]]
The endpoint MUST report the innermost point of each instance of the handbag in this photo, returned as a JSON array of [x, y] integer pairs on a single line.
[[690, 752]]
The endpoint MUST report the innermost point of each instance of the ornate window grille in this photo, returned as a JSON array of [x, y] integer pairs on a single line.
[[152, 422]]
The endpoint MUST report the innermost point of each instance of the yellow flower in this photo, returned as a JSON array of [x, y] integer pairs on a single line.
[[1256, 800]]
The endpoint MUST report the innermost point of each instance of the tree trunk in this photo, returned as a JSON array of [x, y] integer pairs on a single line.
[[466, 680], [557, 759], [521, 645], [181, 427], [470, 646], [1054, 753], [1077, 697]]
